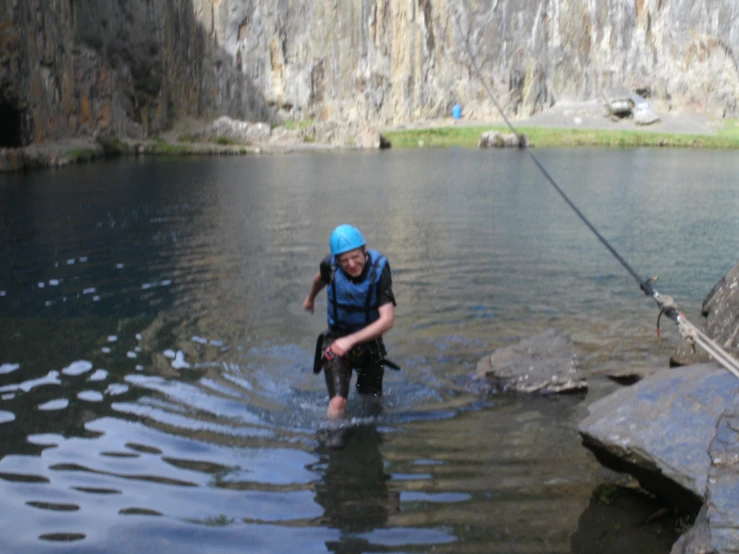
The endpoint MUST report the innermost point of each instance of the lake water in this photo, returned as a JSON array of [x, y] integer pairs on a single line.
[[155, 362]]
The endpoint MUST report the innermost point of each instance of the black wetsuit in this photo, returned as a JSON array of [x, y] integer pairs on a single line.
[[367, 357]]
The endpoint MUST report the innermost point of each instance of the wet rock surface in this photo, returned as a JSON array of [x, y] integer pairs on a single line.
[[677, 431], [686, 353], [660, 429], [721, 309], [722, 489], [545, 363]]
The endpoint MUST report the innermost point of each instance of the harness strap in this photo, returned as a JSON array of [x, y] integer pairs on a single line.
[[368, 303], [333, 293]]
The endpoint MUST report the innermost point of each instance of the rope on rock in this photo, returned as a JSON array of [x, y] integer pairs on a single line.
[[666, 304]]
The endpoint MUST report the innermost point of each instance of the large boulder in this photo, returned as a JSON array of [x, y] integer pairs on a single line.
[[369, 138], [660, 429], [494, 139], [722, 489], [721, 309], [545, 363], [645, 115], [618, 101], [716, 529]]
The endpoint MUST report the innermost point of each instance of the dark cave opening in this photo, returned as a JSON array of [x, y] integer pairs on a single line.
[[10, 126]]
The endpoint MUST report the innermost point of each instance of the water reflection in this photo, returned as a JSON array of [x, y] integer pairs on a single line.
[[353, 488], [621, 520]]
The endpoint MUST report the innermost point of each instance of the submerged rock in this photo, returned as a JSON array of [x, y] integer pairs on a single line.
[[660, 429], [545, 363]]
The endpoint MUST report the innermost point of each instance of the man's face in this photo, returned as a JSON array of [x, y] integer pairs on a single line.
[[352, 262]]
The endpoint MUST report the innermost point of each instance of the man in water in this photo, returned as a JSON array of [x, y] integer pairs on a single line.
[[361, 307]]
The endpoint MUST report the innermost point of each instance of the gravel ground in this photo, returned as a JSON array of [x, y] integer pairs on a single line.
[[588, 115]]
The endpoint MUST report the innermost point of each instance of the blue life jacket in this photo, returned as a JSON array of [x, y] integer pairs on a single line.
[[352, 306]]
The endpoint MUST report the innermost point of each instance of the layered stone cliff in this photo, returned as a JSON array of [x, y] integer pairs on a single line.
[[131, 67]]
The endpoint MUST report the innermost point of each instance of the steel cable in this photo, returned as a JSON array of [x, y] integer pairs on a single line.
[[665, 303]]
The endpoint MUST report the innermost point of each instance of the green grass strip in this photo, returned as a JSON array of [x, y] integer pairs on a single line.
[[467, 137]]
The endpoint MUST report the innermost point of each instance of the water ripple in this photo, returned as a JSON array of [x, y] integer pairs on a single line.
[[158, 325]]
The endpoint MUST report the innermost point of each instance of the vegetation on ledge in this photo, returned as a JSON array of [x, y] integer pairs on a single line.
[[727, 137]]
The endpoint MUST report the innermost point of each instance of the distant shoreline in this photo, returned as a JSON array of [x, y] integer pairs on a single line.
[[62, 153], [564, 125]]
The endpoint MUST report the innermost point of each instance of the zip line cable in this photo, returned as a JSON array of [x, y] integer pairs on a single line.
[[666, 304]]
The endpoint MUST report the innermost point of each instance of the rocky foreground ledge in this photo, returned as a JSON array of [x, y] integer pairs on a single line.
[[677, 432], [222, 137]]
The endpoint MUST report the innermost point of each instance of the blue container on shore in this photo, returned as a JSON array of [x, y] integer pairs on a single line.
[[456, 111]]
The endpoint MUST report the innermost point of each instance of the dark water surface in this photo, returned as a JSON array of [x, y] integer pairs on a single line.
[[155, 379]]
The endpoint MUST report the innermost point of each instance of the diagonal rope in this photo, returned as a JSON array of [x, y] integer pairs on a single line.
[[666, 304]]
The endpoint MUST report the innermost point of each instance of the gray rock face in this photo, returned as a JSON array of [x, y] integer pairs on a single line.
[[716, 529], [722, 307], [686, 354], [660, 429], [545, 363], [129, 67], [722, 491], [113, 67]]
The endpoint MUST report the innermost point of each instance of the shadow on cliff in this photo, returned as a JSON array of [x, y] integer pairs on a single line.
[[115, 68], [213, 80], [176, 65]]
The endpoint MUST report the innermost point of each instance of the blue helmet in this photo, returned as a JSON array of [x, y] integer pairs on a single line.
[[345, 238]]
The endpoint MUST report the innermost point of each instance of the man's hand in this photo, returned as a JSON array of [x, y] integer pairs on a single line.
[[342, 346], [308, 304]]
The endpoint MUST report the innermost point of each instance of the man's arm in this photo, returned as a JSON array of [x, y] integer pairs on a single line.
[[316, 287], [374, 330]]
